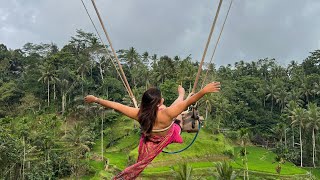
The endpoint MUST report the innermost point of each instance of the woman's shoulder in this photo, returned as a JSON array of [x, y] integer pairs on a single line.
[[162, 107], [162, 116]]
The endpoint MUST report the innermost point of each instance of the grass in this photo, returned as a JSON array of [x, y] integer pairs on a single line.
[[127, 143], [117, 159], [206, 150], [262, 160], [207, 146], [167, 169], [314, 171], [98, 165]]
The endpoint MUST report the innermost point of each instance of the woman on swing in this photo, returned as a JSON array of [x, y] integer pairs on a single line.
[[157, 123]]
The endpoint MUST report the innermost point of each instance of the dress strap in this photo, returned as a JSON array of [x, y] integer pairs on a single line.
[[164, 129]]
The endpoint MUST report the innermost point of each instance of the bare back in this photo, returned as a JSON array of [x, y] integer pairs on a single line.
[[162, 121]]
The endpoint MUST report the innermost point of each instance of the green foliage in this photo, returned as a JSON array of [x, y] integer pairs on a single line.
[[42, 89], [262, 160], [169, 91], [183, 172], [10, 152], [208, 147], [225, 171]]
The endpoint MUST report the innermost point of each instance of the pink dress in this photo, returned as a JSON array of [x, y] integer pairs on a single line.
[[149, 150]]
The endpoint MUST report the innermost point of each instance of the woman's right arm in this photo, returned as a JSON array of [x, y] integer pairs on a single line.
[[174, 110], [126, 110]]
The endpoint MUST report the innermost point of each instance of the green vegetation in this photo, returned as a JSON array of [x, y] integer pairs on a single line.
[[207, 145], [262, 160], [47, 132]]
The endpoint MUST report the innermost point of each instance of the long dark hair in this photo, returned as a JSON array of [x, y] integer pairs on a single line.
[[148, 110]]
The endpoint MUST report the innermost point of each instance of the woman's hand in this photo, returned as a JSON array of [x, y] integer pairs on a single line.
[[90, 99], [212, 87]]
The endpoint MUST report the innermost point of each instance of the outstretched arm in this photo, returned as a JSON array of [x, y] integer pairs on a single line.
[[126, 110], [177, 108], [181, 93]]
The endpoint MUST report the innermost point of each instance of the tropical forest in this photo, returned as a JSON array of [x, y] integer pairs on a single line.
[[263, 124]]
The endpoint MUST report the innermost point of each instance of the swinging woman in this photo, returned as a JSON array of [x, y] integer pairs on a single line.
[[156, 120]]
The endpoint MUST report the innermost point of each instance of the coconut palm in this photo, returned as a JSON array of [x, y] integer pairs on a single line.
[[291, 106], [306, 90], [82, 69], [299, 118], [79, 138], [281, 98], [244, 136], [280, 131], [313, 124], [316, 89], [131, 57], [46, 77], [294, 95], [272, 90]]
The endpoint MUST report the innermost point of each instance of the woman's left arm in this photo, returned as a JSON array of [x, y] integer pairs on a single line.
[[126, 110]]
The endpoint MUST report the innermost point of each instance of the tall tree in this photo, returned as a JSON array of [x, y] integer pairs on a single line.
[[299, 116], [244, 136], [47, 77], [272, 90], [281, 98], [313, 124], [290, 110]]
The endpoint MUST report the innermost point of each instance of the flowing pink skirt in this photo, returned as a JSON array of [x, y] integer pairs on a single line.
[[149, 150]]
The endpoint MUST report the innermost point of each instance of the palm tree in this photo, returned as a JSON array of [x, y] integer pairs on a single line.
[[65, 88], [272, 90], [279, 131], [294, 95], [299, 116], [208, 107], [79, 139], [314, 124], [102, 113], [83, 67], [316, 89], [55, 80], [291, 106], [306, 90], [292, 65], [46, 77], [225, 171], [281, 98], [244, 136], [145, 58], [132, 57], [183, 172]]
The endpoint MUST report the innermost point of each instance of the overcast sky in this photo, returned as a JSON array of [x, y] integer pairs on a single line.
[[282, 29]]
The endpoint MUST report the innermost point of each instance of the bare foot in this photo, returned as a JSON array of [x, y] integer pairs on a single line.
[[181, 90]]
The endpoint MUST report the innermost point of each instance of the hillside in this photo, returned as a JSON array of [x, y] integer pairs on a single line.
[[202, 155]]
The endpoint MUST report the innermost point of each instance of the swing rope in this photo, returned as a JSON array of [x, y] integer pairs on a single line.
[[123, 76], [215, 47], [206, 47], [115, 55], [187, 147], [197, 78], [104, 46]]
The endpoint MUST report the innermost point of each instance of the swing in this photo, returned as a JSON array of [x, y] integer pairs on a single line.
[[191, 121]]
